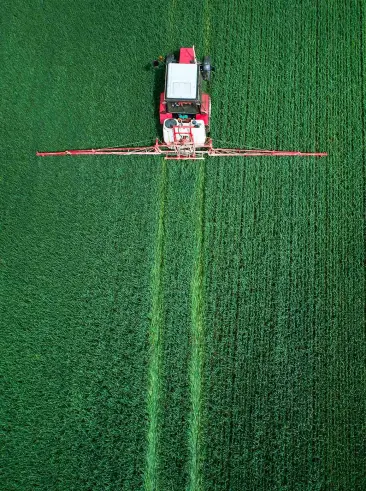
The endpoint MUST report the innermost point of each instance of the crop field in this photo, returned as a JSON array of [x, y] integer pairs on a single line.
[[166, 325]]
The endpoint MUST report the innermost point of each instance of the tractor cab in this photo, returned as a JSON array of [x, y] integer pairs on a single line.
[[183, 88], [183, 99]]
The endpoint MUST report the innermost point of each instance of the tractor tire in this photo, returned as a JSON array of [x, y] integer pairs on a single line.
[[206, 68], [170, 59]]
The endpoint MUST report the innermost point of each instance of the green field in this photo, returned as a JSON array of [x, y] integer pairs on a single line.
[[170, 325]]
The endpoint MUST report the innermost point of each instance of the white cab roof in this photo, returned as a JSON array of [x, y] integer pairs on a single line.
[[181, 81]]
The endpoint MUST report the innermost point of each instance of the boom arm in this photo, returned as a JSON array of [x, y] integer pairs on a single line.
[[180, 152]]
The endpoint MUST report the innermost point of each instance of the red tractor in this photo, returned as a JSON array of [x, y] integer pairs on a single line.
[[185, 109], [185, 112]]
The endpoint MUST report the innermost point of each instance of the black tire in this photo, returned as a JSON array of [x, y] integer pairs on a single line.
[[206, 68], [170, 58], [206, 61]]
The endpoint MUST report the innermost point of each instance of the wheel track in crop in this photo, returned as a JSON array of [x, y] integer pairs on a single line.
[[196, 364], [363, 109], [238, 281], [155, 477], [197, 291], [155, 339]]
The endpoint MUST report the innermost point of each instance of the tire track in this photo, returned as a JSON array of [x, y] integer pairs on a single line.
[[196, 365], [197, 356], [363, 108], [155, 339]]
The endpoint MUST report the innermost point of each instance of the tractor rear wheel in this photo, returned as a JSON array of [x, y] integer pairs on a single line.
[[206, 68], [170, 59]]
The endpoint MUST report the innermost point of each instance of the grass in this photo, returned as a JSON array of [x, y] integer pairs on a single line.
[[177, 325]]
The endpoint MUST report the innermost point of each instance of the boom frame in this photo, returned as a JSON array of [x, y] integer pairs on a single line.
[[182, 151]]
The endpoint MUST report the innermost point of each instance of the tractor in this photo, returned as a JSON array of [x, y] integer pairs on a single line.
[[185, 113], [184, 108]]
